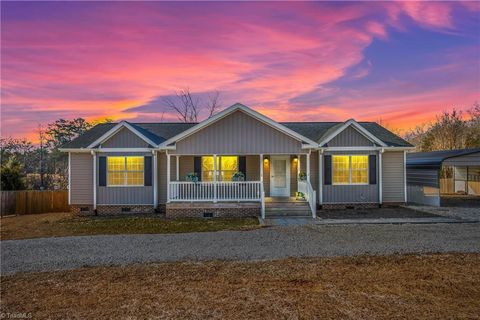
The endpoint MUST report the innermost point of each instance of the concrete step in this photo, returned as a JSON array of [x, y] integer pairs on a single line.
[[285, 204], [283, 212]]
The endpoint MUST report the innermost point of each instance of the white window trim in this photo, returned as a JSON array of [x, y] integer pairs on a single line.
[[350, 183], [219, 170], [125, 174]]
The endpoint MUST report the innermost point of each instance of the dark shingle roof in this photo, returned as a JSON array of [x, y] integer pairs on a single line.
[[434, 159], [316, 131], [160, 132]]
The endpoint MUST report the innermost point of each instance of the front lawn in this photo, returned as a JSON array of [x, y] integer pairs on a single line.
[[443, 286], [67, 224]]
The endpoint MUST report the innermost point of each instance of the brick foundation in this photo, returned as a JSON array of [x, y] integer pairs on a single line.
[[332, 206], [109, 210], [218, 210]]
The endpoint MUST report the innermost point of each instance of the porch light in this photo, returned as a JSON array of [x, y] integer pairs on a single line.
[[295, 159], [265, 160]]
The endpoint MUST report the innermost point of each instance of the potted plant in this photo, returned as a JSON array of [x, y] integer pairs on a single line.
[[192, 177], [238, 176], [302, 176], [300, 195]]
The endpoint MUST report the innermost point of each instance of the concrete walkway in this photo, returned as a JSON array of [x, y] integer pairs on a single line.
[[48, 254]]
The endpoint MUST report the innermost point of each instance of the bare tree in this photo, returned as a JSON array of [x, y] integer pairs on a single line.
[[213, 103], [188, 107]]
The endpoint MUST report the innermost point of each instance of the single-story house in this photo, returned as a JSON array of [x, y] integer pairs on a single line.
[[444, 178], [238, 162]]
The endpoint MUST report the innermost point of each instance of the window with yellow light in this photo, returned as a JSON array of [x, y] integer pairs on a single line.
[[125, 171], [350, 169]]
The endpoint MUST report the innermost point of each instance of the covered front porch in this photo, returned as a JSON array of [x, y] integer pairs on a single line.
[[235, 181]]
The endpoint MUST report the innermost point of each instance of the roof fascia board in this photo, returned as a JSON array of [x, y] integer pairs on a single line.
[[229, 111], [356, 126], [117, 128]]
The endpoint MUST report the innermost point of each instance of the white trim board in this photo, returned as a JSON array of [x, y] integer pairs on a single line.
[[239, 107], [115, 129], [354, 124]]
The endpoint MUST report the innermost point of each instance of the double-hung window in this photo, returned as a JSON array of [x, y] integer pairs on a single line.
[[350, 169], [226, 168], [125, 171]]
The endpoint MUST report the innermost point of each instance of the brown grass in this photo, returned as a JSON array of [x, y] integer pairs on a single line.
[[445, 286], [67, 224]]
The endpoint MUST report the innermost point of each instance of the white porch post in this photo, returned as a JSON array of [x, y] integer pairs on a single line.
[[308, 165], [94, 180], [380, 169], [155, 178], [320, 176], [298, 165], [261, 168], [177, 168], [168, 177], [214, 178]]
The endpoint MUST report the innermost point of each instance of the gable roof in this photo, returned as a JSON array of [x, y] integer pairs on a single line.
[[309, 132], [434, 159], [254, 114]]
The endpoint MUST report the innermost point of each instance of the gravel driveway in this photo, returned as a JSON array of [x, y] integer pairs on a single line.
[[262, 244]]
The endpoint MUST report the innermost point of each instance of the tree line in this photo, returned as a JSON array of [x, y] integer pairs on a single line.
[[450, 131]]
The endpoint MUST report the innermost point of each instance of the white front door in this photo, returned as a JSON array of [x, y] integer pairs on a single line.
[[280, 176]]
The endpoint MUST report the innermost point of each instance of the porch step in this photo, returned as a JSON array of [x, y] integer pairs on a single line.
[[288, 211]]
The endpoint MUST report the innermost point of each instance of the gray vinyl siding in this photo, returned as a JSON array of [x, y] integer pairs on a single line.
[[350, 137], [393, 184], [125, 139], [293, 176], [240, 134], [253, 168], [266, 176], [162, 177], [81, 179], [186, 166], [351, 193], [123, 195], [462, 161]]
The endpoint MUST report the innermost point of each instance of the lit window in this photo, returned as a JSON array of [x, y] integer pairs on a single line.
[[350, 169], [125, 171], [226, 168]]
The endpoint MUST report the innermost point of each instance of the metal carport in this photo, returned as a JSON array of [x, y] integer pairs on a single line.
[[444, 178]]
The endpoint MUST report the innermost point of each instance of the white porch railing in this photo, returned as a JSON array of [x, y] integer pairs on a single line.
[[310, 195], [215, 191]]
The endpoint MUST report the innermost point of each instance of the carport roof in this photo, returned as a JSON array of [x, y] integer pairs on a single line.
[[434, 159]]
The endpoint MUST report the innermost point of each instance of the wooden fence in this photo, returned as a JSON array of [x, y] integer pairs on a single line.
[[29, 201]]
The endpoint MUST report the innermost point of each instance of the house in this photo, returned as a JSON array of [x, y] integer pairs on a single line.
[[444, 178], [236, 163]]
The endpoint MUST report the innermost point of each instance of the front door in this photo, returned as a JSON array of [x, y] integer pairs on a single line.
[[280, 176]]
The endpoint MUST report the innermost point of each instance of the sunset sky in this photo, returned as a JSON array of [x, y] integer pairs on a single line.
[[401, 62]]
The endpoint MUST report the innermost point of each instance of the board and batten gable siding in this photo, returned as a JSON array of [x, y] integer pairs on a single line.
[[350, 193], [81, 179], [141, 195], [350, 137], [464, 161], [124, 138], [238, 134], [393, 175]]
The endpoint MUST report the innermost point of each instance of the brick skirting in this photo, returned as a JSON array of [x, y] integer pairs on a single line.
[[216, 210], [109, 210]]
